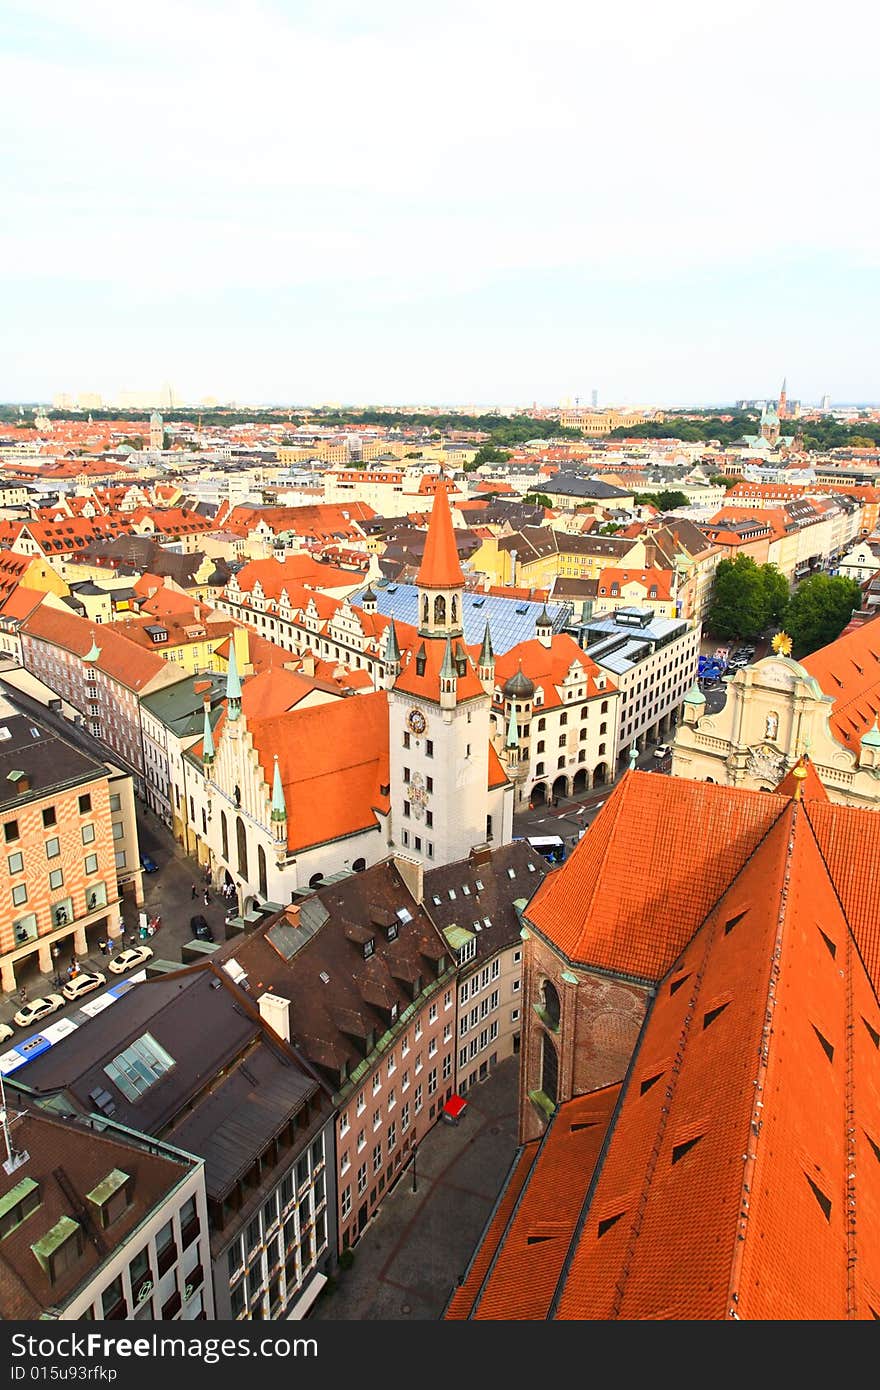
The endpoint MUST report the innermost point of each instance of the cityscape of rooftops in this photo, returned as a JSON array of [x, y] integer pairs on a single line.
[[439, 669]]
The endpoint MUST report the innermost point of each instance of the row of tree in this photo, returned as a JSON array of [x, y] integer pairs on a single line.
[[748, 598], [820, 434]]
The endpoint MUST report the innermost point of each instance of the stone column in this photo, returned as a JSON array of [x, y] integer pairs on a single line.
[[80, 945], [7, 976], [45, 958]]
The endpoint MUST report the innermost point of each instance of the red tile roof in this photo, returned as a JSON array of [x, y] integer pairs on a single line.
[[124, 661], [468, 686], [849, 671]]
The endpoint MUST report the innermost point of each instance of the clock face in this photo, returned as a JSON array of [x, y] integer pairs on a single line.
[[416, 721]]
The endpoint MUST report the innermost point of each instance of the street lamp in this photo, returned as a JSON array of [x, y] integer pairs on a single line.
[[415, 1186]]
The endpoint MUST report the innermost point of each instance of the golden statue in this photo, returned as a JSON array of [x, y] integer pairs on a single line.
[[781, 644]]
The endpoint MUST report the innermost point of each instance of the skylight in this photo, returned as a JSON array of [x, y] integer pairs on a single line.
[[139, 1067]]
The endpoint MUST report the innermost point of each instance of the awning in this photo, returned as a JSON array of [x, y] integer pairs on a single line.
[[455, 1106], [307, 1298]]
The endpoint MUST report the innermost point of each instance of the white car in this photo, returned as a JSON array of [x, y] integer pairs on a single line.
[[37, 1009], [6, 1032], [83, 983], [661, 750], [135, 955]]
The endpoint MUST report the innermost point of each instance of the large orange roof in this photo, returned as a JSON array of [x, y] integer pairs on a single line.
[[333, 760], [123, 660], [440, 567], [849, 671], [468, 686], [738, 1177], [547, 668], [678, 841]]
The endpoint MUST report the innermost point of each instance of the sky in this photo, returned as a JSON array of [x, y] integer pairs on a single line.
[[463, 203]]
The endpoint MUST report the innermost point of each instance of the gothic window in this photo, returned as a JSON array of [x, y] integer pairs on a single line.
[[425, 610], [549, 1069], [241, 837], [454, 609], [261, 869], [439, 609], [224, 831], [551, 1004]]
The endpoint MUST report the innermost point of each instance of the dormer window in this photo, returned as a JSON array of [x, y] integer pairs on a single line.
[[369, 947]]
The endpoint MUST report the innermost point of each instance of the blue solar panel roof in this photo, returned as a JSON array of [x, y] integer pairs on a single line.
[[511, 620]]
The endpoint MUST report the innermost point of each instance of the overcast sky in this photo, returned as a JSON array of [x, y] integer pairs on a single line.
[[458, 202]]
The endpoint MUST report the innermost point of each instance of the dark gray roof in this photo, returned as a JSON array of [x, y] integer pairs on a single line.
[[48, 761], [485, 888], [582, 487]]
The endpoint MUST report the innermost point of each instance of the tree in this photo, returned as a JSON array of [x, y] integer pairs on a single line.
[[818, 611], [665, 501], [776, 592], [538, 499], [741, 602], [488, 453]]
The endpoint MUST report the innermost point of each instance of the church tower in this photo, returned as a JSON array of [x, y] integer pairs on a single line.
[[157, 432], [438, 710], [782, 408]]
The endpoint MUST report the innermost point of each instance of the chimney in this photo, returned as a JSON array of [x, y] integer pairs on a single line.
[[413, 875], [275, 1011], [292, 914]]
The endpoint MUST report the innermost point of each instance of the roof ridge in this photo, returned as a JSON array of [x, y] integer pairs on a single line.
[[831, 879]]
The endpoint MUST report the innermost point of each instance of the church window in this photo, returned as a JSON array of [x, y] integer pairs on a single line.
[[224, 832], [454, 609], [261, 869], [439, 609], [241, 838]]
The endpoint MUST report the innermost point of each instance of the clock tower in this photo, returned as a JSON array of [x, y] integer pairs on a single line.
[[438, 713]]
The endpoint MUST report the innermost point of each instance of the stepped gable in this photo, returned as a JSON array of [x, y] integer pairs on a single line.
[[657, 856]]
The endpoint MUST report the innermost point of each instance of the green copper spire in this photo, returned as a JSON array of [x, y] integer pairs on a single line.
[[207, 738], [487, 655], [512, 729], [279, 809], [233, 684], [447, 670], [392, 650], [633, 756]]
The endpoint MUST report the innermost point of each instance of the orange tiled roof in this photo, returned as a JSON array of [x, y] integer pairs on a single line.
[[739, 1177], [849, 671], [440, 567], [547, 668], [462, 1301], [809, 788], [124, 661], [333, 761], [469, 685], [595, 909], [497, 776]]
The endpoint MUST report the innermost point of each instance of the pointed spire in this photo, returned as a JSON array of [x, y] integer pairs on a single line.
[[447, 670], [392, 650], [440, 567], [487, 655], [207, 738], [279, 808], [633, 756], [512, 729], [543, 619], [233, 684]]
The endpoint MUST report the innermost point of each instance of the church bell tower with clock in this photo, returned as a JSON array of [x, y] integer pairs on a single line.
[[439, 717]]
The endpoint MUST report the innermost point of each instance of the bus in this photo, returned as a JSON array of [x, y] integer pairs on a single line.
[[552, 847]]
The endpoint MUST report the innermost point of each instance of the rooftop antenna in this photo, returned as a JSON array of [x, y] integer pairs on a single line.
[[14, 1157]]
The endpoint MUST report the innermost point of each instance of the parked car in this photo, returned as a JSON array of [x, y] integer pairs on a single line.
[[83, 983], [6, 1032], [661, 750], [148, 865], [37, 1009], [134, 955], [200, 928]]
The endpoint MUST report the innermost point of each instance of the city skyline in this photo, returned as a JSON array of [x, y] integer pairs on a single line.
[[294, 203]]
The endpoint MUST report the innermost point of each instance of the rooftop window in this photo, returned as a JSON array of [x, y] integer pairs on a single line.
[[139, 1067]]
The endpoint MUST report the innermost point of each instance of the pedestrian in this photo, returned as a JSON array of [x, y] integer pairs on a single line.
[[207, 897], [102, 947], [22, 994], [194, 892]]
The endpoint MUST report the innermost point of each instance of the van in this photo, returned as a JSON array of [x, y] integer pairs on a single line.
[[552, 847]]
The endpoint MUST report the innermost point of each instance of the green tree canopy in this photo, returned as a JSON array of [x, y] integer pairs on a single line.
[[538, 499], [489, 453], [666, 500], [818, 611], [746, 597]]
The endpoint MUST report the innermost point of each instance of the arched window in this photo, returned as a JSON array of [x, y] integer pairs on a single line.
[[539, 770], [540, 747], [359, 865], [542, 724], [425, 609], [439, 609], [241, 838], [563, 718], [454, 609], [224, 831], [261, 870], [549, 1069], [584, 711], [316, 880], [560, 762], [551, 1004]]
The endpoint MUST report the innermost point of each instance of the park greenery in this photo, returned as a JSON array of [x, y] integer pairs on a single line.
[[748, 598], [666, 500], [538, 499], [819, 610]]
